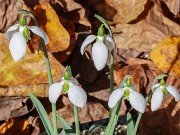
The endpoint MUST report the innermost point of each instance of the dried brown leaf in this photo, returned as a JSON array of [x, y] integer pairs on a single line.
[[144, 33], [173, 5], [18, 126], [11, 107], [9, 14], [122, 11]]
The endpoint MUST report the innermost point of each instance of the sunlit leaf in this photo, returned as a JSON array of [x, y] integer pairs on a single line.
[[49, 21], [166, 56], [30, 70], [18, 126]]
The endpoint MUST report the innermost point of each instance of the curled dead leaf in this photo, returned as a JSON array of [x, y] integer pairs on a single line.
[[9, 14]]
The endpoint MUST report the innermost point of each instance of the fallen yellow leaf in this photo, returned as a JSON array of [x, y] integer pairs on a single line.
[[49, 21], [166, 56], [30, 70]]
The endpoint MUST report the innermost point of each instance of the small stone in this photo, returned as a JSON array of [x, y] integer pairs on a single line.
[[102, 133]]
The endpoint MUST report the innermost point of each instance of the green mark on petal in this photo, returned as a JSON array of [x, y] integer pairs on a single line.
[[126, 93], [165, 92], [23, 20], [128, 83], [66, 87], [101, 31], [26, 33]]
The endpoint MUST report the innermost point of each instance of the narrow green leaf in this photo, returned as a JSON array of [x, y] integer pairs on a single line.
[[66, 127], [43, 115], [94, 127], [130, 124]]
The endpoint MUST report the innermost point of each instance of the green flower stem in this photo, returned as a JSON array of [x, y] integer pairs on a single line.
[[48, 68], [147, 98], [112, 72], [140, 114], [54, 118], [76, 118]]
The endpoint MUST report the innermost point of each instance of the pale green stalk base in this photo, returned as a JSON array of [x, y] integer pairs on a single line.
[[76, 118], [140, 114], [54, 118]]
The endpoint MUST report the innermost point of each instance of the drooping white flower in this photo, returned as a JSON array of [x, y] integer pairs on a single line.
[[103, 44], [159, 91], [75, 93], [19, 34], [136, 100]]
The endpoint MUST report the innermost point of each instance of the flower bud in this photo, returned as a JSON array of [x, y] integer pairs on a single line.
[[101, 31], [67, 76], [162, 82], [23, 20]]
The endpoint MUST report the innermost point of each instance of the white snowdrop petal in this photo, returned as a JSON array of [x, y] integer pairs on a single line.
[[38, 31], [115, 96], [77, 95], [137, 101], [109, 42], [174, 92], [54, 91], [157, 85], [156, 99], [17, 46], [133, 87], [99, 55], [86, 42], [13, 29], [74, 81]]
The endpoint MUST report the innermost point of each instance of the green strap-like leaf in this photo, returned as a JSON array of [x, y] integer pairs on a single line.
[[43, 115], [66, 127], [130, 124], [94, 127]]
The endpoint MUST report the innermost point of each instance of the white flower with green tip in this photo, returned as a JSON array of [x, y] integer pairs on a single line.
[[159, 91], [136, 100], [103, 44], [19, 34], [68, 85]]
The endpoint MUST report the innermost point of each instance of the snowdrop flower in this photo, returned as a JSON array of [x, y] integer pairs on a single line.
[[159, 91], [103, 44], [136, 100], [68, 85], [19, 34]]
